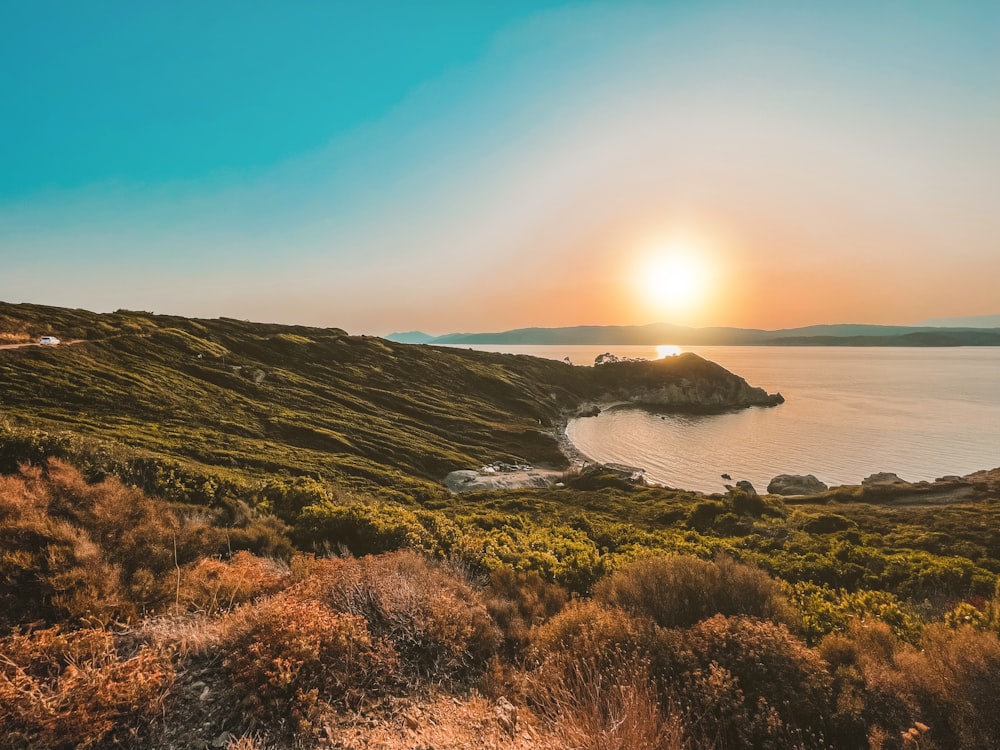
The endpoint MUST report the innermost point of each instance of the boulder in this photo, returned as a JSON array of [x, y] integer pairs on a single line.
[[746, 487], [457, 481], [795, 484], [882, 478]]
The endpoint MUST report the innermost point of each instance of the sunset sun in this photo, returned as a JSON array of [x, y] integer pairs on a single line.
[[673, 279]]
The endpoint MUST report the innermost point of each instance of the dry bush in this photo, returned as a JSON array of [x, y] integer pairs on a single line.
[[436, 621], [956, 681], [885, 687], [287, 653], [745, 683], [50, 570], [590, 632], [592, 683], [592, 708], [518, 601], [76, 690], [680, 590], [212, 586], [872, 697]]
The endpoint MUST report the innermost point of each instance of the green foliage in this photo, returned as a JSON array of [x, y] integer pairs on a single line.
[[824, 610], [680, 590], [359, 527]]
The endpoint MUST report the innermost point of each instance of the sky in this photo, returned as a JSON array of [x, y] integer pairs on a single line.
[[481, 166]]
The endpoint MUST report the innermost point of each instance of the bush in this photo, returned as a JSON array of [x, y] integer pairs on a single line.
[[591, 680], [212, 586], [823, 610], [430, 613], [680, 590], [745, 683], [50, 570], [610, 708], [956, 681], [77, 690], [519, 601], [361, 528], [288, 653]]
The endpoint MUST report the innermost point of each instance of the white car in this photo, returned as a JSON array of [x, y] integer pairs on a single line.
[[48, 341]]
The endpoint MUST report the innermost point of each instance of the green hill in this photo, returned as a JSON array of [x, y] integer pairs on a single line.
[[230, 400]]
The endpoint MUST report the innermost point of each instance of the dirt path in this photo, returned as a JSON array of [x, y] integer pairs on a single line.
[[44, 346]]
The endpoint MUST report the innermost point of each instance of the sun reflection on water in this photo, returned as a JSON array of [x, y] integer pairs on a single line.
[[667, 350]]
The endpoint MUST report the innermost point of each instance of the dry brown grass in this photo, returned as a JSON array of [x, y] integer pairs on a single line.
[[212, 586], [597, 707], [63, 690]]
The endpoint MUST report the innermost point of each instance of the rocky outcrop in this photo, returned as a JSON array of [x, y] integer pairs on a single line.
[[795, 484], [683, 383], [881, 479], [469, 481]]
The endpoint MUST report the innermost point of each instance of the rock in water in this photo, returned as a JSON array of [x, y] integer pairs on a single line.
[[795, 484]]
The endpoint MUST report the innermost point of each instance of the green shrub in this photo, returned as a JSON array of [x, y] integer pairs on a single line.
[[823, 610], [680, 590], [362, 528]]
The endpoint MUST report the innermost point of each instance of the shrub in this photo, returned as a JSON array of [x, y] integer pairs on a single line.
[[518, 601], [680, 590], [430, 613], [361, 528], [50, 570], [592, 681], [745, 683], [212, 586], [77, 690], [287, 653], [956, 682], [592, 708], [823, 610], [590, 631]]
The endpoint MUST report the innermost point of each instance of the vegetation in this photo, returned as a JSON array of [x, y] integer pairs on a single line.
[[176, 571]]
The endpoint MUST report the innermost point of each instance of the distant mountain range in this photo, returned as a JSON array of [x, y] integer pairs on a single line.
[[663, 333], [972, 321]]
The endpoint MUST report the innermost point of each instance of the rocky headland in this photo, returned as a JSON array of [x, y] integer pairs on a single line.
[[682, 383]]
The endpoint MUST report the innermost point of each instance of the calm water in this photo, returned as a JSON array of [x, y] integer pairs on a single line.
[[921, 413]]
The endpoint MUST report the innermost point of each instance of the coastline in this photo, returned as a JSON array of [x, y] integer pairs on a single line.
[[574, 456]]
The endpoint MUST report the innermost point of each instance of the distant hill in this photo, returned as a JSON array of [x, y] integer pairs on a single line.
[[849, 334], [410, 337], [971, 321]]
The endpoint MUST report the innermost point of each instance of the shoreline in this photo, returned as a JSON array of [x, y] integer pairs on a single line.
[[574, 456]]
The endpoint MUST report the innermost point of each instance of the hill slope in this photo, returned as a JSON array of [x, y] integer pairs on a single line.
[[254, 398]]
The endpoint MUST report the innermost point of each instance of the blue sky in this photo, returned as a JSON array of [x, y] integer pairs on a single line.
[[475, 166]]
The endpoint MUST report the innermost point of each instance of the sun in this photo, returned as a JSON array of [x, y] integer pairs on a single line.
[[673, 279]]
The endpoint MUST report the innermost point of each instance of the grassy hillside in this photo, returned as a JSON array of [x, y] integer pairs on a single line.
[[229, 399]]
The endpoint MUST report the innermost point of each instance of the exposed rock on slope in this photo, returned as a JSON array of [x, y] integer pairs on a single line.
[[795, 484]]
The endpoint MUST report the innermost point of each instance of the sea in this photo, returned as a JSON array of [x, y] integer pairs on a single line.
[[921, 413]]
